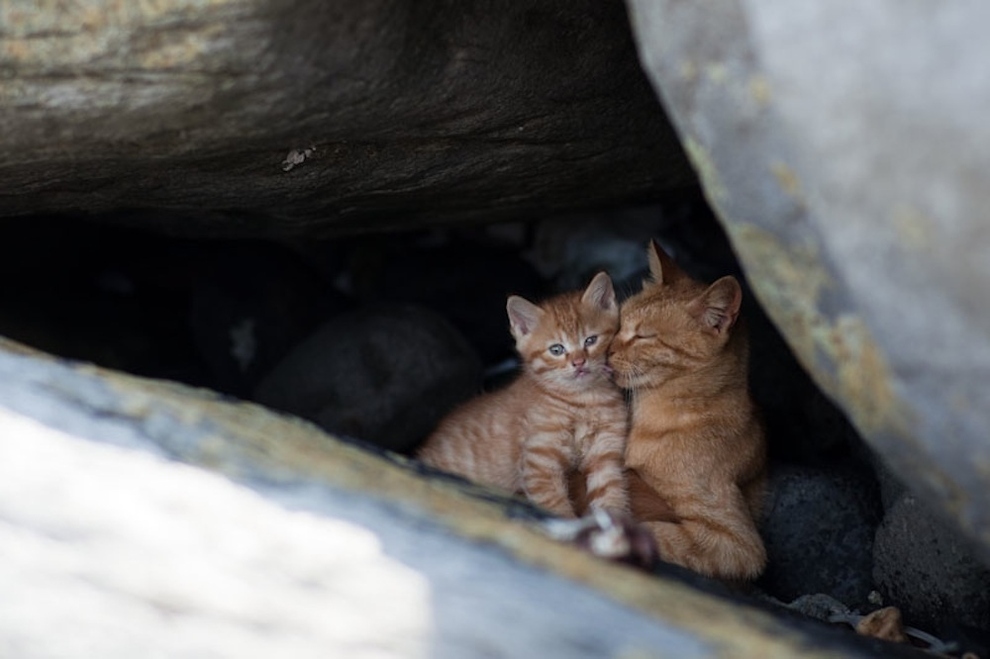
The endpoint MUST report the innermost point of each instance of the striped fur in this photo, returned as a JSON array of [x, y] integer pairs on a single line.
[[696, 452], [561, 417]]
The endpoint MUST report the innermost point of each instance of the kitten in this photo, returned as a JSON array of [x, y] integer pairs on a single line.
[[562, 415], [696, 453]]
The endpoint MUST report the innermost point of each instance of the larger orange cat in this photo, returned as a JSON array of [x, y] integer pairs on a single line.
[[696, 452], [563, 416]]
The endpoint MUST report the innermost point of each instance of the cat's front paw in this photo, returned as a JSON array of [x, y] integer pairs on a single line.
[[608, 534]]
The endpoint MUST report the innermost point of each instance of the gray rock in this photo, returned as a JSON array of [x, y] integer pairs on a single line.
[[818, 606], [385, 375], [246, 117], [142, 518], [108, 550], [925, 568], [845, 147], [818, 527]]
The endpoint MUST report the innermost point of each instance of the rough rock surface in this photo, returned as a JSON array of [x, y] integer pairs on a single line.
[[385, 375], [926, 569], [141, 519], [126, 553], [818, 527], [844, 146], [258, 117]]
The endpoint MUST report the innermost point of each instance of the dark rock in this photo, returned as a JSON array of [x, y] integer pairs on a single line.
[[845, 151], [925, 568], [250, 304], [466, 280], [818, 527], [891, 487], [803, 425], [818, 606], [254, 118], [570, 249], [97, 294], [383, 375]]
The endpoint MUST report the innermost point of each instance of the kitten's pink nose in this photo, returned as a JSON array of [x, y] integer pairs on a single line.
[[578, 361]]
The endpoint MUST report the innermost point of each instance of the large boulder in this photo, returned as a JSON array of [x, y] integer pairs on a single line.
[[256, 117], [141, 518], [845, 147]]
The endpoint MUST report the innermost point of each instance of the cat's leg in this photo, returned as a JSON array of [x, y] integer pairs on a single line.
[[715, 535], [545, 462], [604, 470]]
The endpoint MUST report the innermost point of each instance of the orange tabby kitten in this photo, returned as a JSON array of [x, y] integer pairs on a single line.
[[696, 453], [561, 416]]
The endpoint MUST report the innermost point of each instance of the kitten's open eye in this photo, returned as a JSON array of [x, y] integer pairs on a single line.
[[556, 350], [590, 341]]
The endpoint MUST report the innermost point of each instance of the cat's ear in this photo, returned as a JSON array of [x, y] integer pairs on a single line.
[[663, 270], [523, 315], [600, 294], [718, 307]]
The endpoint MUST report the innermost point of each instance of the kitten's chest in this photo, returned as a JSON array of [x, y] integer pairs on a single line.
[[587, 424], [576, 423]]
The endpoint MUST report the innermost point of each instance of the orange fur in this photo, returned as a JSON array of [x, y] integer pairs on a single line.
[[562, 416], [696, 449]]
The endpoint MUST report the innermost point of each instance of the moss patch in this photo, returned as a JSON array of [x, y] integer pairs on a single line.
[[838, 351]]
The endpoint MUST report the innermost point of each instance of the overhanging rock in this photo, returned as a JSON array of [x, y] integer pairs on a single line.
[[255, 117]]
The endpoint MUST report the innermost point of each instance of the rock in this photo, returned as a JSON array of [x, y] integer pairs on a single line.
[[924, 567], [570, 249], [245, 118], [385, 375], [891, 488], [818, 606], [250, 304], [844, 149], [464, 279], [818, 527], [271, 538], [803, 425], [278, 549]]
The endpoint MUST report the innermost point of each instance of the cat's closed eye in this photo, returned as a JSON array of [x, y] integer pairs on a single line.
[[641, 334], [556, 350]]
